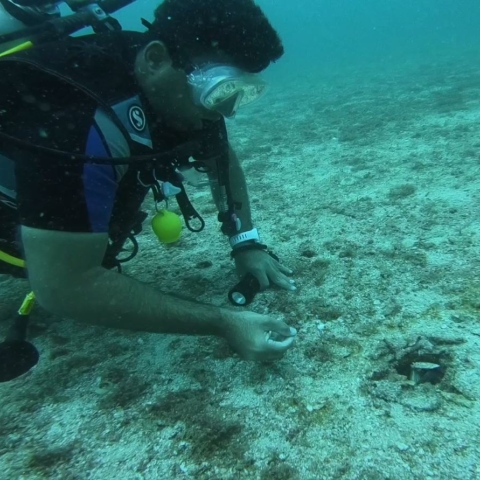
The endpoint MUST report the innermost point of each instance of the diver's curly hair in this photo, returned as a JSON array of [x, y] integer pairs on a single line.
[[237, 28]]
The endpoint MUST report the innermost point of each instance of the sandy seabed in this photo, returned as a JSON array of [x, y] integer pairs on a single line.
[[366, 184]]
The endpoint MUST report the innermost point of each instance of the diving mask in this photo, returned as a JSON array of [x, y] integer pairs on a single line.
[[224, 89]]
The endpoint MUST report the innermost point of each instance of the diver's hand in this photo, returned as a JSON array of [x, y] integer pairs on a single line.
[[258, 337], [265, 268]]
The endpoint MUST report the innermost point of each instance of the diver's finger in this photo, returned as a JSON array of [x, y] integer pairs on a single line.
[[282, 281], [277, 345], [278, 329], [284, 269], [262, 280]]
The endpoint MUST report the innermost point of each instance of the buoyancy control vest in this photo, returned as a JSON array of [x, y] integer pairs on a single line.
[[96, 71]]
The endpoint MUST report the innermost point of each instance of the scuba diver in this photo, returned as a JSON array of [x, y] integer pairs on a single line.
[[90, 124]]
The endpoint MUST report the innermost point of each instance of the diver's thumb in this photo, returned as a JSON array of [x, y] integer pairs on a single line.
[[280, 328]]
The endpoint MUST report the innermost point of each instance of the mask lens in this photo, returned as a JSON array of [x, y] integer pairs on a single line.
[[253, 92], [228, 96], [225, 89]]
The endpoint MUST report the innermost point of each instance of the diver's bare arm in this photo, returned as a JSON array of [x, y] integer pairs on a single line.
[[65, 275]]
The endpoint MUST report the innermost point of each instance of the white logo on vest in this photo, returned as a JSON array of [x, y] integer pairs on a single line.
[[137, 118]]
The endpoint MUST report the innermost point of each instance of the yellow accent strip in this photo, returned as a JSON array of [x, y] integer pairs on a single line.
[[27, 304], [17, 262], [18, 48]]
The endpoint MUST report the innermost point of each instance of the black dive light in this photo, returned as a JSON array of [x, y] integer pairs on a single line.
[[244, 291]]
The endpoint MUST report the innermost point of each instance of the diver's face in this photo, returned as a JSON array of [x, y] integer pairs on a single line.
[[171, 96], [168, 91]]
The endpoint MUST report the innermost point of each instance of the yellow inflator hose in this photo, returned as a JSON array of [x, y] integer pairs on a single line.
[[10, 259], [18, 48], [30, 297]]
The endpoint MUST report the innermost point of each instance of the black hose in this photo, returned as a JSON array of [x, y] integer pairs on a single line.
[[63, 157], [64, 26], [108, 6]]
